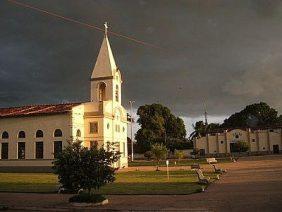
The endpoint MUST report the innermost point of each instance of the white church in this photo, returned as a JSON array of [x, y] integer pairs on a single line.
[[31, 136]]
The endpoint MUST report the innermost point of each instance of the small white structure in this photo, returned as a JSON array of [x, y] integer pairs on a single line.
[[31, 136]]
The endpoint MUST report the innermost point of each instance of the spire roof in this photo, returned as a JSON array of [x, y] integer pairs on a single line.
[[105, 64]]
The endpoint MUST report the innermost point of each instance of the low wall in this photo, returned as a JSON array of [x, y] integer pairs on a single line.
[[185, 151], [20, 166]]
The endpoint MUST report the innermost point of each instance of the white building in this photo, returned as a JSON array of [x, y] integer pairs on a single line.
[[259, 140], [30, 136]]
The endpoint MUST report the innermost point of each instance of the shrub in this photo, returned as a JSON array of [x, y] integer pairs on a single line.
[[179, 154], [148, 155], [241, 146], [195, 151], [81, 168]]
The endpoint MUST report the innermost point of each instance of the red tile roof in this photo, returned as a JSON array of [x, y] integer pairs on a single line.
[[32, 110]]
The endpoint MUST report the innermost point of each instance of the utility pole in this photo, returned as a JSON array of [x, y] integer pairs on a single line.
[[131, 129], [206, 115]]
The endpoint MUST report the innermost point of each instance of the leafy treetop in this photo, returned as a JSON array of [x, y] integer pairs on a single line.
[[158, 124]]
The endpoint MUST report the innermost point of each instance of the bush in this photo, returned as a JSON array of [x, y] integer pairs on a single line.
[[241, 146], [195, 152], [149, 155], [88, 198], [81, 168], [179, 154]]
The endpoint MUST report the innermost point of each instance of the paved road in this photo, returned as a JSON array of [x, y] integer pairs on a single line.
[[252, 184]]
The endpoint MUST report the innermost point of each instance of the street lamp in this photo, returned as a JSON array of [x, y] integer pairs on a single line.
[[131, 129]]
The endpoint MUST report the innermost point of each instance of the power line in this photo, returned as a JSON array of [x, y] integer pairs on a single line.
[[82, 23]]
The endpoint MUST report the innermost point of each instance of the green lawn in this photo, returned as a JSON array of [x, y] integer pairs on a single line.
[[133, 182], [184, 162]]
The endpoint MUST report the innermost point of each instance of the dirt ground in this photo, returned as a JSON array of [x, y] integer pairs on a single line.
[[251, 184]]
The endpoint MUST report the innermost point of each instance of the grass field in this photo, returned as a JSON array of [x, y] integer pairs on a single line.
[[133, 182], [184, 162]]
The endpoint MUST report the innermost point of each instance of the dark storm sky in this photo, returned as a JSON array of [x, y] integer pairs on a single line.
[[226, 53]]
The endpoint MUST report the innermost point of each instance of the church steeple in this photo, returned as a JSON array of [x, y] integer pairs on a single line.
[[105, 65], [106, 77]]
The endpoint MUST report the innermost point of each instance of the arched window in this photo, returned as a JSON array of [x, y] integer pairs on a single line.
[[58, 133], [21, 134], [5, 135], [39, 134], [117, 93], [102, 91], [78, 133]]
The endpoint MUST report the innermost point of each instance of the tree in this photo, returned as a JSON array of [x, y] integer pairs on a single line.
[[179, 154], [160, 152], [81, 168], [254, 115], [241, 146], [200, 129], [158, 124]]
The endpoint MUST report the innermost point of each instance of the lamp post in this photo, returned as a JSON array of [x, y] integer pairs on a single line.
[[131, 129]]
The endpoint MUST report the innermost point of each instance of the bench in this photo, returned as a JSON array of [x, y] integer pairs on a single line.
[[195, 166], [218, 170], [211, 160], [201, 178]]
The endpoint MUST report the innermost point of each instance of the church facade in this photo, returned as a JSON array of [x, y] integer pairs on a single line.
[[31, 136]]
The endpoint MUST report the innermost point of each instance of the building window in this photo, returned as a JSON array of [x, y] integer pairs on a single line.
[[93, 143], [21, 134], [221, 142], [117, 93], [58, 147], [123, 129], [254, 140], [271, 130], [102, 91], [117, 128], [78, 133], [4, 151], [236, 136], [5, 135], [58, 133], [21, 150], [39, 150], [39, 134], [108, 126], [93, 128]]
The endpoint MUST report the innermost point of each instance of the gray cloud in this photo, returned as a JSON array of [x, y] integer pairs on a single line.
[[224, 53]]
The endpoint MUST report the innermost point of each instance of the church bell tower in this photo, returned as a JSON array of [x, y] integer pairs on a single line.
[[106, 77]]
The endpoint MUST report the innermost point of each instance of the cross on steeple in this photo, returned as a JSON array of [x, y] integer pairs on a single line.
[[106, 28]]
